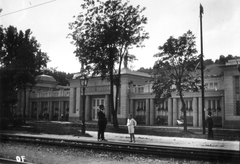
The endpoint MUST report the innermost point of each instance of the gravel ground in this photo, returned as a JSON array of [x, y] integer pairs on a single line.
[[42, 154]]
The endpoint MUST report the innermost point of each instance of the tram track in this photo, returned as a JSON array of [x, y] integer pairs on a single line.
[[161, 151]]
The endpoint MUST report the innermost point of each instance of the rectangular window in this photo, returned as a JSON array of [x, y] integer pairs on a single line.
[[209, 104], [237, 108], [214, 105], [218, 103], [206, 86], [211, 86], [237, 84]]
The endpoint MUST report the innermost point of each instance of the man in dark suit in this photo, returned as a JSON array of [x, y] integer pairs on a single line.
[[210, 125], [102, 122]]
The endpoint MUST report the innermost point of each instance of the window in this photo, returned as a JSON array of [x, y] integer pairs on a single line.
[[209, 104], [237, 108], [214, 107], [211, 86], [237, 84]]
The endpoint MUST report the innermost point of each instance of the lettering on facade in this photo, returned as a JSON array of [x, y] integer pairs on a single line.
[[97, 88]]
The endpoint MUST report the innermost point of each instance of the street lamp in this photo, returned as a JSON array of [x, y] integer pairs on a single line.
[[84, 82]]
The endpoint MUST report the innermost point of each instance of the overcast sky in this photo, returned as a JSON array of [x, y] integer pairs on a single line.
[[49, 24]]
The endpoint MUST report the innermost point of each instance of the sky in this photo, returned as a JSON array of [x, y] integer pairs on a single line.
[[49, 22]]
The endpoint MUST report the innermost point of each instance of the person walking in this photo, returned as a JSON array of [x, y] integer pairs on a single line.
[[210, 125], [102, 122], [131, 123]]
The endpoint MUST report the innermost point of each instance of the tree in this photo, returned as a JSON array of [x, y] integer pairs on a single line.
[[208, 62], [146, 70], [103, 33], [175, 69], [21, 60], [223, 60], [60, 77]]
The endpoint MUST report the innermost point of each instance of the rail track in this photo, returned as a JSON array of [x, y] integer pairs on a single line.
[[161, 151]]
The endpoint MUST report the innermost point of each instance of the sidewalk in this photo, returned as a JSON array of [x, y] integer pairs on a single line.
[[151, 140]]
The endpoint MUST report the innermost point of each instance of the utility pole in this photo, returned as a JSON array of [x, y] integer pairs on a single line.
[[202, 72]]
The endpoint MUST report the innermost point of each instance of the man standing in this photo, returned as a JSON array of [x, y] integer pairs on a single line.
[[210, 125], [102, 122]]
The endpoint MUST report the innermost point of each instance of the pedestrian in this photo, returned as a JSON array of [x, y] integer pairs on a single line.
[[210, 125], [102, 123], [131, 123]]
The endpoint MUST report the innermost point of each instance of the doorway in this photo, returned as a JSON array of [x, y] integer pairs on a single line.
[[95, 107]]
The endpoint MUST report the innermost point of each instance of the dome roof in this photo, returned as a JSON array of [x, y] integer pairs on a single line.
[[46, 78]]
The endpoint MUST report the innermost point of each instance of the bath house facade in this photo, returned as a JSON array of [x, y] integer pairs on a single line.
[[49, 101]]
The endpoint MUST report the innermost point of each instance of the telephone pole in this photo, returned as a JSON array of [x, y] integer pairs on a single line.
[[202, 72]]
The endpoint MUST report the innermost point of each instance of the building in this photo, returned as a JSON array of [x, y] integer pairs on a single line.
[[136, 97], [45, 101]]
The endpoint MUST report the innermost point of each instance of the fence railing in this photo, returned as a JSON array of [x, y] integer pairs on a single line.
[[50, 94]]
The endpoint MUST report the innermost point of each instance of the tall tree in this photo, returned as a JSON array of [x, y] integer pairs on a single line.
[[103, 33], [21, 59], [175, 69]]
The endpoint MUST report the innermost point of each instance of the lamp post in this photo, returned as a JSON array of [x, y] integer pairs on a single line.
[[84, 82]]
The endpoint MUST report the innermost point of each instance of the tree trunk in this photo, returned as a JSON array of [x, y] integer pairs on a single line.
[[24, 104], [116, 106], [184, 112], [113, 110]]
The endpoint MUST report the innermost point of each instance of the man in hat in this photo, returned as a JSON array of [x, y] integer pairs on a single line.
[[102, 122], [210, 125]]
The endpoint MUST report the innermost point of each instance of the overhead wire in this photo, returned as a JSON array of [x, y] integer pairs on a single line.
[[27, 8]]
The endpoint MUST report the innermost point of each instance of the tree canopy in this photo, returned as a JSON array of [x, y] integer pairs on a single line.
[[21, 60], [174, 70], [103, 33]]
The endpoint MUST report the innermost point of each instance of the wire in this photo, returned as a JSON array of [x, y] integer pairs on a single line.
[[27, 8]]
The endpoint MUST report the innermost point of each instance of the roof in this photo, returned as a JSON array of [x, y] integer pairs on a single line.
[[213, 70], [45, 78]]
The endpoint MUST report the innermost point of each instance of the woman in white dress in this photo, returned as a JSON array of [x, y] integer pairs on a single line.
[[131, 123]]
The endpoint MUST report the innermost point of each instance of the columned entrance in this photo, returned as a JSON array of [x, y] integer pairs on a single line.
[[95, 106]]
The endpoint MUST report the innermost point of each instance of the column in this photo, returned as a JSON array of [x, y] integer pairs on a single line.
[[19, 103], [179, 107], [216, 107], [188, 105], [175, 112], [107, 107], [213, 114], [71, 101], [78, 103], [38, 109], [147, 112], [222, 110], [170, 112], [88, 108], [152, 114], [30, 110], [50, 110], [131, 108], [195, 112], [27, 104], [135, 107], [200, 112]]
